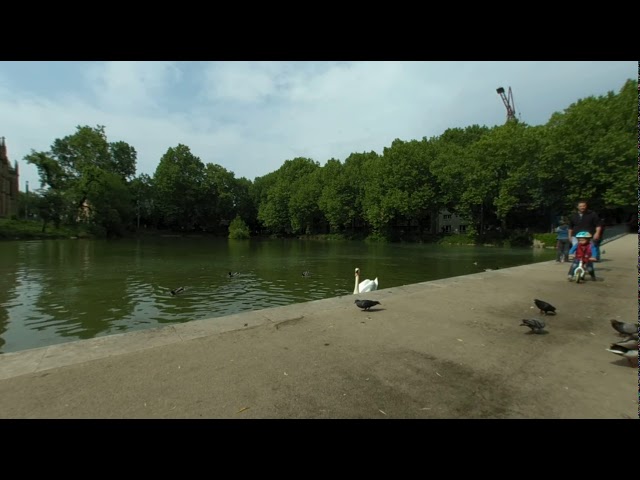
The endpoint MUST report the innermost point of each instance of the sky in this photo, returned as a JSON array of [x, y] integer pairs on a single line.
[[250, 117]]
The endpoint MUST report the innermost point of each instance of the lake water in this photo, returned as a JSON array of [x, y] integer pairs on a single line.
[[55, 291]]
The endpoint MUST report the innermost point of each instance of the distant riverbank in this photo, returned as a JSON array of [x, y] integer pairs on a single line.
[[11, 229], [32, 230]]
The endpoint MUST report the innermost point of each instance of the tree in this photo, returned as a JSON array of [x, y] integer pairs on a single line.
[[243, 201], [337, 196], [358, 170], [28, 204], [142, 197], [50, 207], [507, 161], [304, 210], [591, 147], [460, 188], [218, 203], [277, 212], [123, 160], [178, 181], [83, 170]]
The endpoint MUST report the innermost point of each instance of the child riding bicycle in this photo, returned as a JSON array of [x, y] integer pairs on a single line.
[[584, 252]]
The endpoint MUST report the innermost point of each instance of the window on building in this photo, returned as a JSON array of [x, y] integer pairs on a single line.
[[463, 229]]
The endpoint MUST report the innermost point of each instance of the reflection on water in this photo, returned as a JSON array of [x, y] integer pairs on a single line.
[[56, 291]]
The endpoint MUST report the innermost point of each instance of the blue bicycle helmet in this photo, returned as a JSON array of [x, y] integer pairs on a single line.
[[583, 235]]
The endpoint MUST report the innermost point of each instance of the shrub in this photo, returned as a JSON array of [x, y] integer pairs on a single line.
[[520, 238], [376, 238], [458, 239], [238, 229], [549, 239]]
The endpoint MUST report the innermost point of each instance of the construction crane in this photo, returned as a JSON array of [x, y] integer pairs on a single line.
[[509, 104]]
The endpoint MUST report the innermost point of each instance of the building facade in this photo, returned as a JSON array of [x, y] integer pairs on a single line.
[[451, 223], [8, 183]]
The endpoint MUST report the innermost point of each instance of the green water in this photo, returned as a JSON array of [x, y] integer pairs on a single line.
[[56, 291]]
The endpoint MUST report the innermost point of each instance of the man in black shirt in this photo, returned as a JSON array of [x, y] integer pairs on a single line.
[[585, 220]]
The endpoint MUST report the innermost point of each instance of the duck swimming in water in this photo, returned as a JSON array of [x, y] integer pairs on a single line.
[[176, 291], [233, 274]]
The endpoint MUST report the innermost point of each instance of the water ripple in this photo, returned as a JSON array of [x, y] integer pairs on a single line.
[[65, 290]]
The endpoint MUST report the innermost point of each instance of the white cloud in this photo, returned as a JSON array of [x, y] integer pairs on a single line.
[[240, 81], [250, 117], [130, 86]]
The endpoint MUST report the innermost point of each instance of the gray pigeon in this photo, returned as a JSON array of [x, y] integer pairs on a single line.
[[536, 326], [633, 336], [624, 328], [628, 344], [366, 304], [628, 350]]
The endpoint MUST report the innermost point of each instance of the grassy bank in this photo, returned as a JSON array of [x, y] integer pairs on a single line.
[[31, 230], [511, 239]]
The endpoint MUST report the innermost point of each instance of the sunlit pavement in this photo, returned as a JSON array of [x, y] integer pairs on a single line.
[[450, 348]]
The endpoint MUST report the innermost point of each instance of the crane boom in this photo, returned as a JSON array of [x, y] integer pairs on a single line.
[[508, 103]]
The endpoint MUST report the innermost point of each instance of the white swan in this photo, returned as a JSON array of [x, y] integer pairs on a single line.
[[366, 285]]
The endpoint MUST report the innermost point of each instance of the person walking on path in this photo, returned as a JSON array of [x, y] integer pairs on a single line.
[[563, 243], [585, 220]]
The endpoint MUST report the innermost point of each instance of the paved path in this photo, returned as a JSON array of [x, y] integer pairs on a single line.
[[450, 348]]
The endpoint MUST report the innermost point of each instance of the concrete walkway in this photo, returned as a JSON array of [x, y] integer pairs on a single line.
[[450, 348]]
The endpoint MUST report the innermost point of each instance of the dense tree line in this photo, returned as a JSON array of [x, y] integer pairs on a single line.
[[508, 176]]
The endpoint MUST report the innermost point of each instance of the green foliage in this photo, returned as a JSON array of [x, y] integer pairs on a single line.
[[274, 211], [337, 200], [549, 239], [142, 198], [49, 169], [238, 229], [329, 237], [377, 238], [591, 149], [501, 180], [177, 181], [11, 229], [217, 197], [404, 183], [519, 238], [123, 160], [304, 211], [290, 197], [110, 206], [27, 205], [457, 240], [85, 178]]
